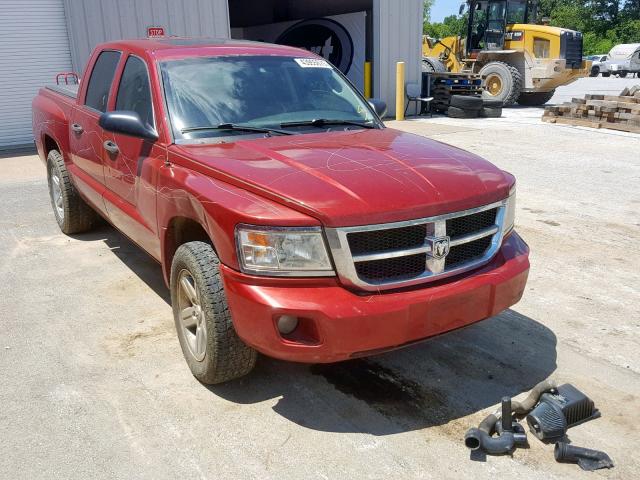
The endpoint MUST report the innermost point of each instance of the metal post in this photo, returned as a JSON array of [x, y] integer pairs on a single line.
[[400, 91], [367, 80]]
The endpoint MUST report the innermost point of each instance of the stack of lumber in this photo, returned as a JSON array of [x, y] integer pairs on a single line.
[[443, 85], [621, 112]]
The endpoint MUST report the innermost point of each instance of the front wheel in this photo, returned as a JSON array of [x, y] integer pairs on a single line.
[[503, 82], [595, 71], [534, 99], [622, 74], [209, 342], [606, 74]]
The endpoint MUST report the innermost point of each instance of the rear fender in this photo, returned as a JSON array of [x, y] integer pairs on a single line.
[[50, 119]]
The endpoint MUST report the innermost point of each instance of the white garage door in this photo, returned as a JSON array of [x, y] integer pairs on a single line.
[[34, 47]]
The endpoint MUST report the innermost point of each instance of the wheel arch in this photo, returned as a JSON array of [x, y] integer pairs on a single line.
[[180, 230]]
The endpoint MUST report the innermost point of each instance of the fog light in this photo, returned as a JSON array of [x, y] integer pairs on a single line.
[[287, 324]]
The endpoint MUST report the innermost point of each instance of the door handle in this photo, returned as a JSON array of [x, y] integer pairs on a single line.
[[77, 128], [110, 147]]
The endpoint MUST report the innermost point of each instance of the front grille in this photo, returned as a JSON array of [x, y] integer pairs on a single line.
[[385, 240], [571, 48], [460, 226], [467, 252], [406, 253], [392, 269]]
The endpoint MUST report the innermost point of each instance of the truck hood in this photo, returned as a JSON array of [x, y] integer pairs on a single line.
[[354, 177]]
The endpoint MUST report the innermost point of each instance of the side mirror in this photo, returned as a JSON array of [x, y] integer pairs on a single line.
[[127, 123], [378, 106]]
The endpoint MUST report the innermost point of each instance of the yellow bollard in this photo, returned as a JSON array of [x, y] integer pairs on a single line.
[[367, 80], [400, 91]]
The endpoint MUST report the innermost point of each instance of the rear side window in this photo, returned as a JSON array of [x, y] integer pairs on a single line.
[[100, 81], [134, 92]]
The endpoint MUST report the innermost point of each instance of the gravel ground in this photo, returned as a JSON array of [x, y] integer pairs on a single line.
[[93, 384]]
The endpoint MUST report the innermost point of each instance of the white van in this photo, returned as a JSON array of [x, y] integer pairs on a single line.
[[624, 59]]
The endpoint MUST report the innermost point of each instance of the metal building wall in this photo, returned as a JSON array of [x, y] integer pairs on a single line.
[[91, 22], [397, 37]]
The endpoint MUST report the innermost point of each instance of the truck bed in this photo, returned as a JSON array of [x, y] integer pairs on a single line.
[[70, 90]]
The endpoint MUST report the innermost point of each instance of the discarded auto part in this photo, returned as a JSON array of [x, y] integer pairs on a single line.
[[587, 459], [558, 411], [525, 406], [510, 433]]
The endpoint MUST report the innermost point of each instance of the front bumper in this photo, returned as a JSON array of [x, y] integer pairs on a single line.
[[349, 325]]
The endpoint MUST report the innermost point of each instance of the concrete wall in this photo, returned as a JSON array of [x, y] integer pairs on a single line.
[[91, 22], [397, 37]]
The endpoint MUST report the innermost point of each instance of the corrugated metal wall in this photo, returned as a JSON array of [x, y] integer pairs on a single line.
[[33, 48], [94, 21], [397, 34]]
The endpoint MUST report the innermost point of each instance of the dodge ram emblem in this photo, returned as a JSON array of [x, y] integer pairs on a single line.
[[439, 247]]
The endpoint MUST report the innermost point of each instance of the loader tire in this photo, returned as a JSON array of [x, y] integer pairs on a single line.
[[534, 99], [466, 102], [455, 112], [502, 82], [432, 65]]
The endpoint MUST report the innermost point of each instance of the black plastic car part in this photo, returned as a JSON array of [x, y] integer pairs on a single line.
[[557, 411], [510, 433], [587, 459]]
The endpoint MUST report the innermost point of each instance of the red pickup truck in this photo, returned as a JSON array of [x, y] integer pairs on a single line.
[[287, 219]]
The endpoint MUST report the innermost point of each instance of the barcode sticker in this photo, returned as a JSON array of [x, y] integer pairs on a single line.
[[312, 63]]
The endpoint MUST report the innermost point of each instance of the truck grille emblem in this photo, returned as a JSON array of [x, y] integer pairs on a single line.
[[439, 247]]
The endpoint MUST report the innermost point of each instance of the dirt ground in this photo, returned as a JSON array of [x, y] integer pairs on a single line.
[[93, 384]]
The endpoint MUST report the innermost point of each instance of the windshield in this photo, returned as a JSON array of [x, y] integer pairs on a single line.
[[256, 91]]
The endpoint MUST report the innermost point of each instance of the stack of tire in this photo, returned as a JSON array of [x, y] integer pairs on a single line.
[[467, 106]]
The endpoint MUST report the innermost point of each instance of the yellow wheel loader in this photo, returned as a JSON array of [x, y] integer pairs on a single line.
[[522, 62]]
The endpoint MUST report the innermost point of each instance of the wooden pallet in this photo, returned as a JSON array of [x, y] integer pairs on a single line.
[[621, 112]]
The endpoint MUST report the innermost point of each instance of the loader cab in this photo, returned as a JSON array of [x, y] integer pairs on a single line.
[[488, 20]]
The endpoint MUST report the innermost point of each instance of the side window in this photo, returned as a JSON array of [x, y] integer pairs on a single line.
[[100, 81], [134, 92]]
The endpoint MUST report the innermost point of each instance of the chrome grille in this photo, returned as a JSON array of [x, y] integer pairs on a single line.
[[393, 255]]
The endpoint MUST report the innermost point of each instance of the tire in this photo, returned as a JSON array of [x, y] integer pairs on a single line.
[[433, 65], [534, 99], [491, 103], [466, 102], [595, 71], [71, 212], [503, 82], [209, 342], [622, 75], [489, 112], [606, 74], [455, 112]]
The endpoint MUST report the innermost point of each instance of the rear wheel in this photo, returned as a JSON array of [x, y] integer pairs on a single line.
[[606, 74], [534, 99], [71, 212], [502, 82], [622, 74], [209, 342]]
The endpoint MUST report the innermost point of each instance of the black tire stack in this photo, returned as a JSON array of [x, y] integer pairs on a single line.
[[465, 106]]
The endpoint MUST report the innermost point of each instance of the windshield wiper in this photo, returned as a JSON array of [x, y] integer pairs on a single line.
[[322, 122], [236, 127]]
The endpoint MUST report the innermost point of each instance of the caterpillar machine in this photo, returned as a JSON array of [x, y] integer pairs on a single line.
[[520, 61]]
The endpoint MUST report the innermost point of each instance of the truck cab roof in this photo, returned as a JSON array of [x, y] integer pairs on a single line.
[[182, 47]]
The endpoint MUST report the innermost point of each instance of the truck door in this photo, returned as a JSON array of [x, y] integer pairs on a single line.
[[85, 136], [131, 163]]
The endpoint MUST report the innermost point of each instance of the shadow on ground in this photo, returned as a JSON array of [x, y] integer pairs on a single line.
[[429, 384]]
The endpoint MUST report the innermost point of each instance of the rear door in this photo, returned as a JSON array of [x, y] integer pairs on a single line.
[[85, 136], [131, 163]]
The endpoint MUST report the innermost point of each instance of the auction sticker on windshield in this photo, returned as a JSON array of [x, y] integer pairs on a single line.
[[312, 63]]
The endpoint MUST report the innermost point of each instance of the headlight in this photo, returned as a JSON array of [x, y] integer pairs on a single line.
[[510, 211], [295, 251]]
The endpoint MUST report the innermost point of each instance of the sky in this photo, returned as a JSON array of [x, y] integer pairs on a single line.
[[444, 8]]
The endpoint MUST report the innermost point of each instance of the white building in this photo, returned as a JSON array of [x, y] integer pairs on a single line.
[[40, 38]]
